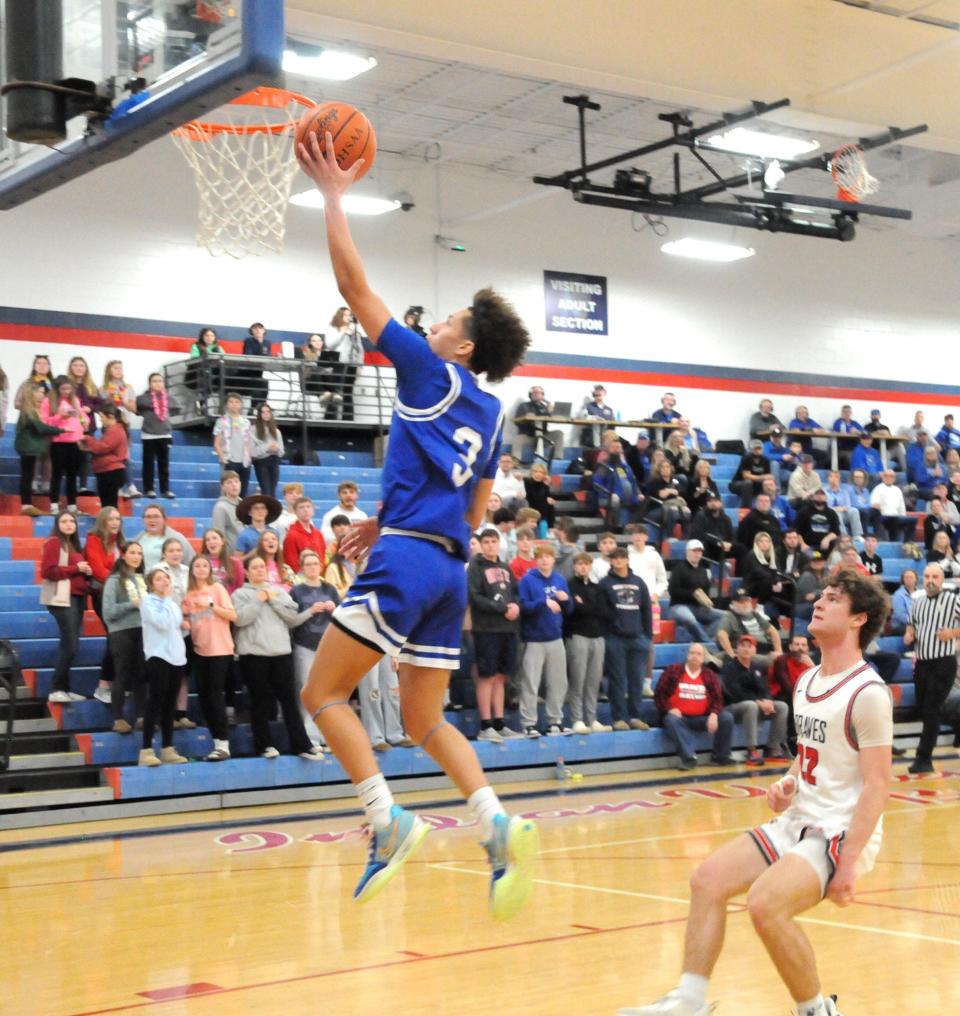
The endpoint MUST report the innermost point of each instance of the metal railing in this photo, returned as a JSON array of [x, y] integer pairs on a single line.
[[310, 394], [9, 680]]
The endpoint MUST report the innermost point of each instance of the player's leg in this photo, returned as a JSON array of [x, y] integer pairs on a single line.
[[337, 668], [728, 872], [340, 663], [787, 889], [511, 843]]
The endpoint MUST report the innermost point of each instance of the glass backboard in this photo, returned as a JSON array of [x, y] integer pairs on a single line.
[[160, 63]]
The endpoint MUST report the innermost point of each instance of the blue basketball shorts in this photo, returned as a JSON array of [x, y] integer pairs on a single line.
[[409, 602]]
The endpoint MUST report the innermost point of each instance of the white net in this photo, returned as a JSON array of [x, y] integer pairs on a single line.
[[849, 169], [243, 168]]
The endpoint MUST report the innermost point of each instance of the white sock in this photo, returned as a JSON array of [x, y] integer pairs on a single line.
[[485, 806], [222, 745], [815, 1007], [377, 801], [693, 987]]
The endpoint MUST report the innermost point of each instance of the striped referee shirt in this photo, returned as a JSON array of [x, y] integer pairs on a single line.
[[931, 614]]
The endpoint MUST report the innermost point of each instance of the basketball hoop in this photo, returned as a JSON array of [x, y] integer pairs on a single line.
[[216, 10], [849, 170], [243, 168]]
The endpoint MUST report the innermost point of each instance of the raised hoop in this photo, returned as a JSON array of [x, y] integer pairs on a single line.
[[244, 166], [849, 169]]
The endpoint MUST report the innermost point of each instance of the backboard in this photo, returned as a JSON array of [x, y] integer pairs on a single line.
[[190, 57]]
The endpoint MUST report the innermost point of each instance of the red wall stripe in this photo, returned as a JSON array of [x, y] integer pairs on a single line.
[[46, 334]]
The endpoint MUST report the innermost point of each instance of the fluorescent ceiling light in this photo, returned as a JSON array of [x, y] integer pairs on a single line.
[[353, 204], [764, 146], [706, 250], [332, 64]]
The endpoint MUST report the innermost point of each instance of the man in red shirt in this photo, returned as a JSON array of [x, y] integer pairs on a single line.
[[302, 535], [690, 698]]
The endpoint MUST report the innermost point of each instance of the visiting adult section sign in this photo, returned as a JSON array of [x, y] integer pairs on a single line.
[[575, 303]]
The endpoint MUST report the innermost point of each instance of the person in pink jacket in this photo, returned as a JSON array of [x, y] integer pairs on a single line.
[[61, 408], [110, 453]]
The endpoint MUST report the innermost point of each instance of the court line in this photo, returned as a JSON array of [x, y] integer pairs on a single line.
[[386, 964], [732, 907]]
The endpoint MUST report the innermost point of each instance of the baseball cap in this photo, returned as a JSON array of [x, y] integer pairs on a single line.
[[806, 458], [746, 638], [694, 545], [776, 430], [714, 495], [643, 432], [742, 594], [816, 556], [819, 492], [756, 443], [874, 412]]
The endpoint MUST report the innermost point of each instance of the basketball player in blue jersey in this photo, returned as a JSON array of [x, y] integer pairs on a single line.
[[410, 599]]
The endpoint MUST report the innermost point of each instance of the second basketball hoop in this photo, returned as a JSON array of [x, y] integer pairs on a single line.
[[849, 169]]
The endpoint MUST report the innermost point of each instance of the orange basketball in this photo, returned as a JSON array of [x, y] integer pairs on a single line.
[[353, 137]]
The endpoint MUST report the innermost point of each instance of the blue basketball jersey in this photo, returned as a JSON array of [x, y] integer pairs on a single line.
[[445, 435]]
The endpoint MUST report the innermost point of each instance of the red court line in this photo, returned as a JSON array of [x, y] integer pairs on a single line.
[[415, 955], [181, 991], [386, 964], [586, 927]]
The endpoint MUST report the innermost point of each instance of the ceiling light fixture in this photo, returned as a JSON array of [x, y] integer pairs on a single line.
[[706, 250], [353, 204], [332, 64], [743, 141]]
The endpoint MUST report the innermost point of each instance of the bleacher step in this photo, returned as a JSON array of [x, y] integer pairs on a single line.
[[35, 726], [67, 796], [56, 760]]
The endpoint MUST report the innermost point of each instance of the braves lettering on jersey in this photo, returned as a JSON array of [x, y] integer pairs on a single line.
[[445, 435], [830, 780]]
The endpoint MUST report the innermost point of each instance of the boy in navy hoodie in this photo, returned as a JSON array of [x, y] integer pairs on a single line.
[[544, 599], [628, 641]]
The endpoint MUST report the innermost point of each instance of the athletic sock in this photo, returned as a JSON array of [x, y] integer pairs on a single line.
[[815, 1007], [377, 801], [693, 987], [497, 723], [485, 806], [486, 724]]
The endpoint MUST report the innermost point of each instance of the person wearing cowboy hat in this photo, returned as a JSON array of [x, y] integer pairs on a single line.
[[256, 512]]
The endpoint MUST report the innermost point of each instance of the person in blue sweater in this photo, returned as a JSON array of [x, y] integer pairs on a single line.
[[903, 602], [867, 458], [166, 662], [915, 456], [544, 600], [628, 640]]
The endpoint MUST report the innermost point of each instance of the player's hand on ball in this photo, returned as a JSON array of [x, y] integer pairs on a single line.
[[321, 166]]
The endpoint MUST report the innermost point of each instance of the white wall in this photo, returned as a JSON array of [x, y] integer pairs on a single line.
[[121, 242]]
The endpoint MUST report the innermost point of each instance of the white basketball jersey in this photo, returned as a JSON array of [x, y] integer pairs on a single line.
[[830, 781]]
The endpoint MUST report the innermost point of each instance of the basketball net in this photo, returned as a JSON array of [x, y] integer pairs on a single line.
[[243, 167], [849, 169]]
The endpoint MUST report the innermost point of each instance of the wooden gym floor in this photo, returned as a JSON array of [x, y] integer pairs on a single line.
[[250, 912]]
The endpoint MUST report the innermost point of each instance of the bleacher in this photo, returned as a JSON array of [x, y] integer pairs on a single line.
[[67, 757]]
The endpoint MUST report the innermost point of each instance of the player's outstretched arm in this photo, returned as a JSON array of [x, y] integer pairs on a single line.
[[333, 182]]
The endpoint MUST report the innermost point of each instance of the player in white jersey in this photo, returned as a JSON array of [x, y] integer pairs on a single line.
[[829, 809], [409, 600]]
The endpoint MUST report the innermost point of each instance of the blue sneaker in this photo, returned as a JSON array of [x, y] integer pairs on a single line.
[[512, 851], [389, 848]]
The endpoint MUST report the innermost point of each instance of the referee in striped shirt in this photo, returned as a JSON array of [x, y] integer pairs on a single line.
[[934, 630]]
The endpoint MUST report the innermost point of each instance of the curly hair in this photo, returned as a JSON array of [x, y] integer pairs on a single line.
[[500, 339], [866, 597]]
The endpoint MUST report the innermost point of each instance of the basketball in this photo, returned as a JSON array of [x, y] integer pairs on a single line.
[[353, 137]]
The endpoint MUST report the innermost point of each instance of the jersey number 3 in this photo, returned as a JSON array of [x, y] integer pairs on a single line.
[[809, 757], [462, 471]]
